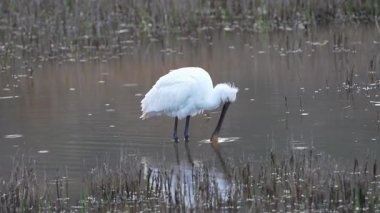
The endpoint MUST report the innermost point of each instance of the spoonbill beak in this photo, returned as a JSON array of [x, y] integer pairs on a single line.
[[214, 136]]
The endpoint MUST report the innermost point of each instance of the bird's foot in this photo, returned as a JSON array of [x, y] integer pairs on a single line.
[[187, 139]]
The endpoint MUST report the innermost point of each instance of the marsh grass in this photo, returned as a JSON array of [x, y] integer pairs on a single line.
[[34, 30], [21, 191], [298, 180]]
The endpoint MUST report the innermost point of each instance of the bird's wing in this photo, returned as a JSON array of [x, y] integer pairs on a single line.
[[169, 95]]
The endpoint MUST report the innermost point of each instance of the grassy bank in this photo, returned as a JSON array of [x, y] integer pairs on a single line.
[[299, 180]]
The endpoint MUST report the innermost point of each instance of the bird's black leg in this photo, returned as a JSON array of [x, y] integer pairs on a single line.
[[187, 128], [175, 136]]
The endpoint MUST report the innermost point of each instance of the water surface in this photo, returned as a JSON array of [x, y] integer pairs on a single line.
[[297, 91]]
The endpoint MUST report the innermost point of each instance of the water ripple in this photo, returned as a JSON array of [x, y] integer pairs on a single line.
[[222, 140]]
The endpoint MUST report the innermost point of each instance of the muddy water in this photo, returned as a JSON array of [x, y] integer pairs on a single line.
[[293, 94]]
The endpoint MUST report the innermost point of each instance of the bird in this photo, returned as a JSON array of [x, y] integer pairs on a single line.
[[186, 92]]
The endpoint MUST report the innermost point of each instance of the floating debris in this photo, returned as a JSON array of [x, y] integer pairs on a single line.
[[77, 207], [316, 43], [138, 94], [298, 145], [9, 97], [122, 31], [228, 29], [13, 136], [130, 85], [299, 50], [43, 151], [168, 51], [72, 89], [128, 42]]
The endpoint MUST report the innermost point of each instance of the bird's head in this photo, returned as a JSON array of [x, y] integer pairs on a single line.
[[226, 92]]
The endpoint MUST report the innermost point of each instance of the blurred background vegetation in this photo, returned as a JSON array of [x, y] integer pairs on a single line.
[[50, 28]]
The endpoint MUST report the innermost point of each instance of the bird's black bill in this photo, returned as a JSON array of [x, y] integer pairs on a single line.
[[214, 136]]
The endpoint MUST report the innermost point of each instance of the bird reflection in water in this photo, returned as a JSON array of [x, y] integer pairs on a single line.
[[188, 153], [215, 147]]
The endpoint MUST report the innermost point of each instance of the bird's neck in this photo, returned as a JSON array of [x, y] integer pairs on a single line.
[[212, 101]]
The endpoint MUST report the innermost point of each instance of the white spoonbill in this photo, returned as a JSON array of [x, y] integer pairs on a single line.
[[186, 92]]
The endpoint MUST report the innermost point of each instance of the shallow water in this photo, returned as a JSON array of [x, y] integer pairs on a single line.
[[71, 116]]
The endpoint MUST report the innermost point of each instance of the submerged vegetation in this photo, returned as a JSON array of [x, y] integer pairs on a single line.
[[299, 180]]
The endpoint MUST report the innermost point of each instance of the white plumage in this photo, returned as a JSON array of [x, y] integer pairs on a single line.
[[186, 92]]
